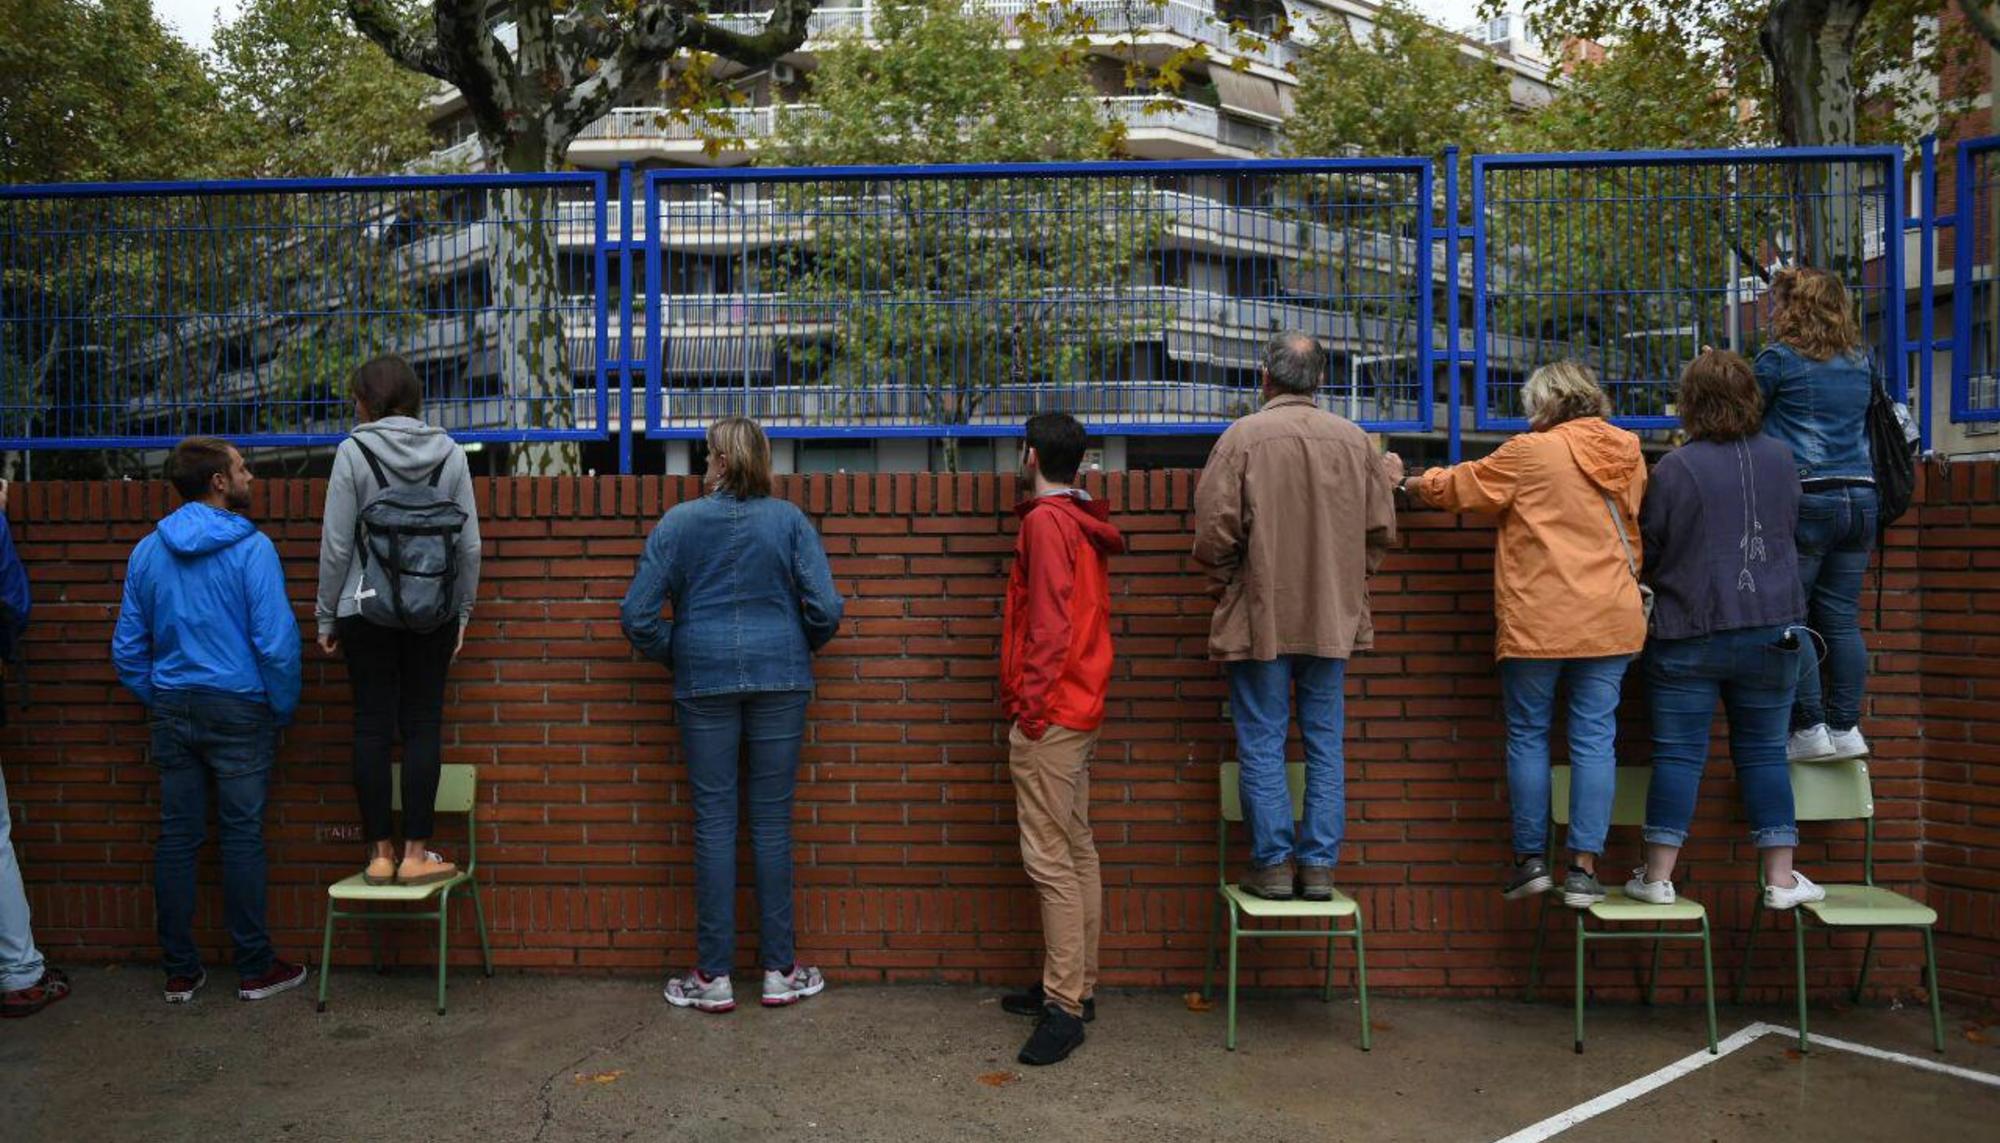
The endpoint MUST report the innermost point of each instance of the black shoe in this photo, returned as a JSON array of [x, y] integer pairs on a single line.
[[1527, 878], [1034, 1002], [1056, 1035]]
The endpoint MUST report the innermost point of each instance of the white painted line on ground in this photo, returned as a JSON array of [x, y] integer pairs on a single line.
[[1619, 1096], [1929, 1065]]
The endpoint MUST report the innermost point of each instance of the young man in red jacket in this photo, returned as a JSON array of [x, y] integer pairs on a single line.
[[1055, 662]]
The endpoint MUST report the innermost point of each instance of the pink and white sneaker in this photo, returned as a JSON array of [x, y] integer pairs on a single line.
[[701, 993], [782, 988]]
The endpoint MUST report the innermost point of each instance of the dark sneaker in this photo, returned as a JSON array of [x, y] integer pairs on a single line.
[[1581, 890], [1057, 1034], [1316, 882], [53, 986], [1032, 1001], [181, 989], [1527, 878], [1273, 882], [282, 976]]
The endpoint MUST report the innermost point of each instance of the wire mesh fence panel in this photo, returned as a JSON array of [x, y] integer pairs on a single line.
[[1632, 263], [1975, 369], [132, 315], [949, 301]]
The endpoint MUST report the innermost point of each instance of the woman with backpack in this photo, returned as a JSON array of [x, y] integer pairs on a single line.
[[753, 599], [398, 570], [1817, 379]]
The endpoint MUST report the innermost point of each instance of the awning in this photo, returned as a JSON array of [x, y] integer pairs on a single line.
[[1249, 94]]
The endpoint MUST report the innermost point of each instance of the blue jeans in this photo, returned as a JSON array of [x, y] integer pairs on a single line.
[[20, 962], [1528, 691], [714, 729], [1260, 703], [1836, 532], [1754, 676], [199, 735]]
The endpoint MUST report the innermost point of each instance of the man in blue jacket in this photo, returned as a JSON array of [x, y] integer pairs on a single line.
[[207, 640]]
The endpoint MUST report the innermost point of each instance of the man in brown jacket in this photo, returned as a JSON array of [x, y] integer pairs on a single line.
[[1293, 512]]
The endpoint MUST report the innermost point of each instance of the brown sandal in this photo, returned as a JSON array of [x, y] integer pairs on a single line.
[[446, 874], [370, 877], [53, 986]]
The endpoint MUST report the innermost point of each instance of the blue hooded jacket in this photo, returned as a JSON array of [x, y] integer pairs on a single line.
[[205, 609]]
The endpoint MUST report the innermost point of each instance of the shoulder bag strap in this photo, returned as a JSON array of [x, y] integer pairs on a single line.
[[1617, 521]]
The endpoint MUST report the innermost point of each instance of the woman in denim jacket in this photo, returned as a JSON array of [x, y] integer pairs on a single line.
[[753, 598], [1816, 379]]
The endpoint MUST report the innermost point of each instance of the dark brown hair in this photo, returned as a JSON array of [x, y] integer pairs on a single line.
[[388, 387], [195, 463], [1719, 399]]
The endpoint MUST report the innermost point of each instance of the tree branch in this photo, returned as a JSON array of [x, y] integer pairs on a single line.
[[783, 32], [416, 51], [1982, 21]]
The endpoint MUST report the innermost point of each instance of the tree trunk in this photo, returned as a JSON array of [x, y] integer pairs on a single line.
[[1810, 44], [533, 345]]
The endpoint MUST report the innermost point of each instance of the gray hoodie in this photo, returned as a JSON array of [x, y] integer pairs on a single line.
[[409, 449]]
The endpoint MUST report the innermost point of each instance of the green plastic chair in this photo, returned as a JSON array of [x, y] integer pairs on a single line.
[[1840, 791], [1628, 808], [458, 787], [1241, 905]]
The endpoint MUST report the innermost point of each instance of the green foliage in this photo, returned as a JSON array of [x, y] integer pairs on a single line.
[[1653, 92], [971, 286], [307, 95]]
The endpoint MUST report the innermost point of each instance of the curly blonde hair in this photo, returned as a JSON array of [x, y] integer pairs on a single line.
[[1812, 313], [1563, 391]]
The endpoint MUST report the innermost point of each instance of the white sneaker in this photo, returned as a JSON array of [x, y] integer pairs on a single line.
[[701, 993], [1813, 744], [782, 988], [1801, 891], [1847, 744], [1651, 892]]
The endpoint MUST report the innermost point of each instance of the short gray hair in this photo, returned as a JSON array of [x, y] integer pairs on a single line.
[[1294, 363], [1563, 391]]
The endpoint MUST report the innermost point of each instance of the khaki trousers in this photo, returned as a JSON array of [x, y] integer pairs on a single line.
[[1052, 800]]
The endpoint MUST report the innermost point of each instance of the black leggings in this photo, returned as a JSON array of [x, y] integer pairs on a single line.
[[398, 680]]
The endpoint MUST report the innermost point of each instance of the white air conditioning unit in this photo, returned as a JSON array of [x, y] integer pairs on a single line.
[[784, 73]]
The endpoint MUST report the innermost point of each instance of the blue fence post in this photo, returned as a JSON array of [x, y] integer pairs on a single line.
[[1927, 345], [1965, 236], [1453, 355], [625, 425]]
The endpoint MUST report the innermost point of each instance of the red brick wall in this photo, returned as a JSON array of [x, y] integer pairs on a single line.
[[905, 843]]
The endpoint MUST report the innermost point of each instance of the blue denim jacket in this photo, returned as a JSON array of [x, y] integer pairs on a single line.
[[1820, 409], [753, 596]]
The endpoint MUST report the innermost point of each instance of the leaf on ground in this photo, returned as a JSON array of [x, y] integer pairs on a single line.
[[1794, 1054], [1977, 1036], [1196, 1002], [999, 1079], [598, 1077], [1381, 1026]]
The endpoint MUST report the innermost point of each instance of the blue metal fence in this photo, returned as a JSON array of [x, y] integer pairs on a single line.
[[957, 301], [134, 314], [1975, 325], [1631, 262]]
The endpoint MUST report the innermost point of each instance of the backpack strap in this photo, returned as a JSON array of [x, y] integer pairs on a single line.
[[438, 472], [374, 463]]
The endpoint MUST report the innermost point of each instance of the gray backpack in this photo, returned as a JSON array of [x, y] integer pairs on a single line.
[[407, 538]]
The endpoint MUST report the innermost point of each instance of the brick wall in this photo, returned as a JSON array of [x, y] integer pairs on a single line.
[[905, 843]]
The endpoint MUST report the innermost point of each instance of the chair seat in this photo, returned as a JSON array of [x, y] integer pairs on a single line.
[[356, 888], [1252, 905], [1626, 911], [1869, 905]]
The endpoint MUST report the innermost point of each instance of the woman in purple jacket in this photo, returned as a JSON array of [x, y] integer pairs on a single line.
[[1718, 526]]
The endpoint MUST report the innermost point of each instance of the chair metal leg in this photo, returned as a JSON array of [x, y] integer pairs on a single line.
[[1208, 962], [1708, 983], [444, 936], [1582, 938], [1326, 992], [325, 958], [1653, 974], [479, 914], [1749, 948], [1361, 981], [1535, 958], [1799, 946], [1230, 1037], [1867, 957], [1937, 1013]]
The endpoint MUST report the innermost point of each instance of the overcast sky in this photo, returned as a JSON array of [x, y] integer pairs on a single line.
[[195, 19]]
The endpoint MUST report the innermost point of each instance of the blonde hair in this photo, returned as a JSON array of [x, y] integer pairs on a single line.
[[1812, 313], [746, 456], [1563, 391]]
